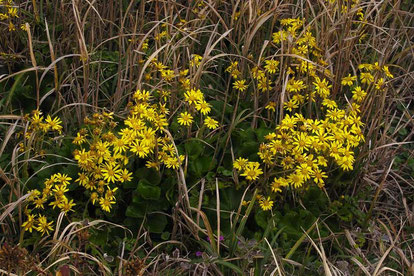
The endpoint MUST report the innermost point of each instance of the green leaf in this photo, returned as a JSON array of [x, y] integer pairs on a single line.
[[165, 236], [130, 185], [201, 165], [136, 210], [156, 223], [261, 219], [148, 191], [151, 176], [193, 148]]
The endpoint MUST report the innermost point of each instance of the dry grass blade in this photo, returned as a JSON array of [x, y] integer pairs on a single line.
[[378, 268], [8, 136], [33, 59], [320, 250], [361, 266], [218, 216], [11, 206], [275, 259]]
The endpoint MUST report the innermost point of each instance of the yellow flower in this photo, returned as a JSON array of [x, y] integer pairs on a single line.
[[278, 183], [295, 85], [379, 84], [304, 170], [142, 96], [62, 178], [94, 197], [140, 149], [264, 84], [203, 107], [296, 180], [301, 142], [12, 12], [39, 202], [318, 176], [193, 96], [240, 85], [106, 204], [11, 27], [322, 87], [271, 66], [252, 171], [290, 105], [29, 223], [240, 163], [271, 106], [43, 226], [111, 173], [82, 179], [345, 164], [110, 194], [185, 119], [120, 145], [79, 139], [366, 77], [210, 123], [152, 165], [66, 205], [358, 94], [125, 176], [266, 204], [196, 60], [172, 162], [387, 71], [54, 124], [348, 80]]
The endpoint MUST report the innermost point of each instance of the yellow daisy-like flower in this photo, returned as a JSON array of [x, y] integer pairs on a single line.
[[240, 163], [348, 80], [271, 66], [28, 225], [358, 94], [66, 205], [271, 106], [322, 87], [278, 183], [266, 204], [240, 85], [296, 180], [79, 139], [210, 123], [125, 176], [111, 173], [203, 106], [252, 171], [185, 119], [193, 96], [366, 77], [318, 176], [43, 226], [54, 124], [106, 204], [140, 149]]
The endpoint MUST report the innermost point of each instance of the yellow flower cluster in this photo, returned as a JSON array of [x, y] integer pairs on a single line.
[[9, 13], [103, 153], [52, 194], [196, 102], [37, 127], [194, 99], [305, 143]]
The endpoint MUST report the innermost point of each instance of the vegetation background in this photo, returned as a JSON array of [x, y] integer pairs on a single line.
[[73, 59]]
